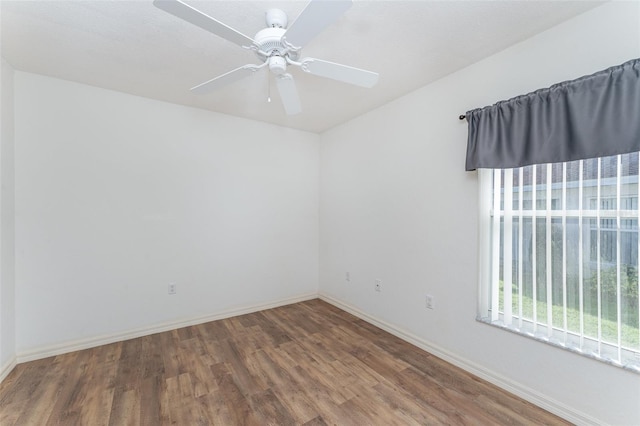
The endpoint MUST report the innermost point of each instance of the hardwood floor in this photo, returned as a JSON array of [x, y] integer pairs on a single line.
[[308, 363]]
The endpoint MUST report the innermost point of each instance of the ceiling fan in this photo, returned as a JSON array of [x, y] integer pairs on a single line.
[[277, 47]]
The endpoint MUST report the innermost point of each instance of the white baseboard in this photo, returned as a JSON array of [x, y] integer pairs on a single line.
[[7, 368], [505, 383], [53, 350]]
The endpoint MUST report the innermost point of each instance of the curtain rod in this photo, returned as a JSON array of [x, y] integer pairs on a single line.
[[462, 117]]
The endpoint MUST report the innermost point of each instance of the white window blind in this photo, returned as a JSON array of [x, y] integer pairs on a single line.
[[560, 254]]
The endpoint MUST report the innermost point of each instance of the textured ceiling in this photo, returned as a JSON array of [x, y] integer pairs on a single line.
[[133, 47]]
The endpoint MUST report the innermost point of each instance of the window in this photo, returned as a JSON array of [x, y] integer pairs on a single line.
[[560, 255]]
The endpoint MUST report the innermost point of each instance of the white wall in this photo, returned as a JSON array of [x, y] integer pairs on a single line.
[[7, 284], [117, 196], [397, 205]]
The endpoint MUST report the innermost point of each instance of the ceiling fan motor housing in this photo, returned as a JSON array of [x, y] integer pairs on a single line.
[[268, 42]]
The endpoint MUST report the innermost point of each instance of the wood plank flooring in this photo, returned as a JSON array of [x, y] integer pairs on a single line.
[[303, 364]]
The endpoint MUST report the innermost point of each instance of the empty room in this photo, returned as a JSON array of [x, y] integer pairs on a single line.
[[319, 212]]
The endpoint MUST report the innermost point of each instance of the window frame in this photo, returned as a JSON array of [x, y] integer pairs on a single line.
[[489, 260]]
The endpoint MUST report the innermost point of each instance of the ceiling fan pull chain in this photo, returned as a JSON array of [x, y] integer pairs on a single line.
[[268, 88]]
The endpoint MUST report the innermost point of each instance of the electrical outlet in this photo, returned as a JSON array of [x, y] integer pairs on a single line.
[[347, 276], [172, 288], [378, 285], [430, 303]]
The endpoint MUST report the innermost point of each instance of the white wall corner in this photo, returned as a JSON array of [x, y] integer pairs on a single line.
[[7, 214], [7, 368]]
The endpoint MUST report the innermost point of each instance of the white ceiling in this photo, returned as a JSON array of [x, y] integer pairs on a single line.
[[133, 47]]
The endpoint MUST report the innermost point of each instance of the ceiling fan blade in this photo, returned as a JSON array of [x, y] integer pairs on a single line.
[[315, 17], [224, 79], [288, 94], [206, 22], [344, 73]]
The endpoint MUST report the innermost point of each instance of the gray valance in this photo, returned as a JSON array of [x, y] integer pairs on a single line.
[[594, 116]]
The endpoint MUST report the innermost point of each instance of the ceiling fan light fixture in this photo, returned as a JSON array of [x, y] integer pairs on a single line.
[[277, 65]]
